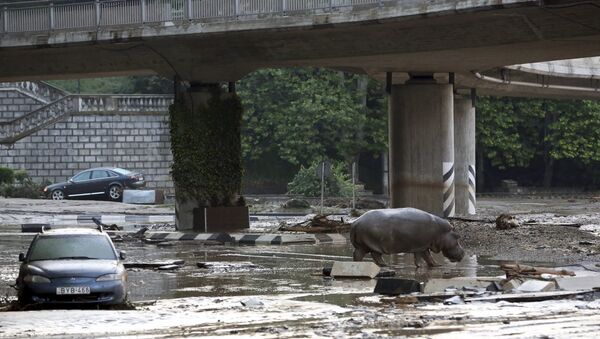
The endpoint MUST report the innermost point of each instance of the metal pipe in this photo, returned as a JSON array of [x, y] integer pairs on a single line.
[[530, 84]]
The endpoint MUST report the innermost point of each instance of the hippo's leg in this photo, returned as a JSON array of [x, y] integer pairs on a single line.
[[378, 259], [359, 254], [428, 258], [418, 256]]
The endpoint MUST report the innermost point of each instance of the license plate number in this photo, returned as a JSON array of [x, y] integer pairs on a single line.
[[73, 290]]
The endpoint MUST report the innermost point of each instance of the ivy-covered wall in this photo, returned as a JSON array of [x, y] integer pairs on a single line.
[[206, 147]]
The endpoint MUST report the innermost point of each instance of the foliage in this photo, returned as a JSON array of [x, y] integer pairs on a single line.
[[303, 114], [307, 183], [21, 186], [206, 149], [7, 175], [118, 85]]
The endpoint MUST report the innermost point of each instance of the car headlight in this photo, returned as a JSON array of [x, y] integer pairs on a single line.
[[112, 277], [38, 279]]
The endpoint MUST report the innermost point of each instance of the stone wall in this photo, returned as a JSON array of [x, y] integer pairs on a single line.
[[138, 142]]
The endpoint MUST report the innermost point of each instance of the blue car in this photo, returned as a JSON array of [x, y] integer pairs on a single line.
[[72, 266]]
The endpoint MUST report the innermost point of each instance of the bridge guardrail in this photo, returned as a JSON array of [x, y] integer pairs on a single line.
[[48, 16]]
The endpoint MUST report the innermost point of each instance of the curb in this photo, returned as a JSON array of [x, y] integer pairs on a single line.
[[249, 238]]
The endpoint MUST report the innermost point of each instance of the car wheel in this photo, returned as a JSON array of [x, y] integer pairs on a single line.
[[58, 195], [115, 192]]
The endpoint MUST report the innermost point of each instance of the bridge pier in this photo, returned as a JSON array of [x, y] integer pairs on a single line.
[[207, 167], [464, 155], [421, 143]]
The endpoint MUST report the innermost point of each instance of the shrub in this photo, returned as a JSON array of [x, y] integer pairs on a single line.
[[24, 187], [7, 175], [306, 182]]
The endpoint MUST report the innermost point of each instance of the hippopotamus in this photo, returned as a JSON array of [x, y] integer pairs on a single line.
[[404, 230]]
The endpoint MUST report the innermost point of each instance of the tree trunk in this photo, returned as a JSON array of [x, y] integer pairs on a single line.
[[548, 171], [480, 172]]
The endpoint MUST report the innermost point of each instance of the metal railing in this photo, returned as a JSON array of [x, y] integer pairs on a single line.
[[48, 16]]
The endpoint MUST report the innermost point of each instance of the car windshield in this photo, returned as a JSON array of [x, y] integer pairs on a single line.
[[122, 171], [79, 246]]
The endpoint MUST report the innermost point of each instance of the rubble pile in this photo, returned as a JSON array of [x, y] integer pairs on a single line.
[[320, 223]]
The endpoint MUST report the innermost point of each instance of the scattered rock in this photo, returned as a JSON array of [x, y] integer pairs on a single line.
[[506, 221], [536, 286], [252, 302], [455, 300]]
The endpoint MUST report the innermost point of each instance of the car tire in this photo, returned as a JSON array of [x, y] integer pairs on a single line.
[[115, 192], [57, 195]]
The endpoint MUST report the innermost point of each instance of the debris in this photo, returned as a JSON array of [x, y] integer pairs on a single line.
[[355, 269], [506, 221], [476, 283], [369, 204], [252, 302], [455, 300], [34, 228], [228, 266], [318, 224], [106, 227], [404, 299], [143, 197], [382, 274], [533, 285], [395, 286], [526, 297], [517, 270], [168, 267], [154, 265], [494, 287], [511, 285], [585, 242], [296, 203], [578, 283]]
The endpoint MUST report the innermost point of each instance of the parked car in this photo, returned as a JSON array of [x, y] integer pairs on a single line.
[[102, 181], [72, 266]]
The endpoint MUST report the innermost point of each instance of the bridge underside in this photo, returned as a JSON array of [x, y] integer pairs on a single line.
[[460, 42]]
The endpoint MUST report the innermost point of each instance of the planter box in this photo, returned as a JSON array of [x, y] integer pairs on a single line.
[[220, 219]]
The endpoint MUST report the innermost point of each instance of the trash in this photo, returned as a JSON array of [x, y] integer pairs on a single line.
[[506, 221], [318, 224], [395, 286], [355, 269], [455, 300], [517, 270], [536, 286], [252, 302]]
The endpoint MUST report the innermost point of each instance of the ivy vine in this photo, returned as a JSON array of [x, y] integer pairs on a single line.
[[206, 147]]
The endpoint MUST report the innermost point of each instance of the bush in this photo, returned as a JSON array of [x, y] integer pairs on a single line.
[[24, 187], [306, 182], [7, 175]]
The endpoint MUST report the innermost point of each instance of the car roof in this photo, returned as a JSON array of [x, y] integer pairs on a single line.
[[71, 230]]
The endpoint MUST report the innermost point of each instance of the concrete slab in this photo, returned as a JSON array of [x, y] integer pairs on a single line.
[[355, 269], [396, 286], [533, 285], [578, 283], [142, 197]]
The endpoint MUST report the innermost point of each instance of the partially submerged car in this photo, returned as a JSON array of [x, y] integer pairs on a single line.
[[72, 266], [103, 181]]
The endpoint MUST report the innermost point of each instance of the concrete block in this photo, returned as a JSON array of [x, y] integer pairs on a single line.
[[511, 285], [533, 285], [578, 283], [143, 197], [440, 285], [355, 269], [395, 286]]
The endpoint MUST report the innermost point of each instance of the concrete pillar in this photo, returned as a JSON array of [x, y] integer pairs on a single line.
[[464, 155], [421, 142]]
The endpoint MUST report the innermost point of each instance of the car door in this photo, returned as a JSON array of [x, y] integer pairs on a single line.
[[78, 185], [100, 181]]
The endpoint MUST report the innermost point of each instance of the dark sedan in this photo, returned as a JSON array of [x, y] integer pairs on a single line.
[[72, 266], [104, 181]]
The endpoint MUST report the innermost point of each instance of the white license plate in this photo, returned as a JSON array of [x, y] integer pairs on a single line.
[[73, 290]]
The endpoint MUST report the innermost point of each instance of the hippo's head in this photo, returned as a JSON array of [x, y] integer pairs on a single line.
[[449, 246]]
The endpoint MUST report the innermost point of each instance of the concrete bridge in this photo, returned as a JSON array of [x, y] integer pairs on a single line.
[[431, 54]]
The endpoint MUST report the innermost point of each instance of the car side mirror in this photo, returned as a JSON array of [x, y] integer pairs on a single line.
[[70, 181], [122, 255], [21, 256]]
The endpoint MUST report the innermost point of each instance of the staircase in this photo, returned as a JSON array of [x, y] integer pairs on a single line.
[[59, 105]]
